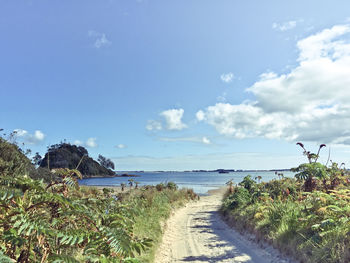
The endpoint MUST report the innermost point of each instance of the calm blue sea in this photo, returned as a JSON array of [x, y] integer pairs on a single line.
[[200, 182]]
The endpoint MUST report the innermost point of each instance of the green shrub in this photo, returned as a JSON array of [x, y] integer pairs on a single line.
[[240, 197], [171, 185], [312, 226]]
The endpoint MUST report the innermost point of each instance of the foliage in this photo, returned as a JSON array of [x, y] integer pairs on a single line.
[[248, 183], [171, 185], [65, 155], [37, 159], [105, 162], [13, 161], [240, 197], [58, 221], [154, 206], [308, 171], [311, 222]]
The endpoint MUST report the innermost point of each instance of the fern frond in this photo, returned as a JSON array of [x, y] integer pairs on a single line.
[[54, 258]]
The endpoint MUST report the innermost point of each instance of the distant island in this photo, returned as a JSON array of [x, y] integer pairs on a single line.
[[66, 155]]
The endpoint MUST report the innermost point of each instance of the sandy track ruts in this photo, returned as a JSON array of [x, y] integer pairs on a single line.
[[196, 233]]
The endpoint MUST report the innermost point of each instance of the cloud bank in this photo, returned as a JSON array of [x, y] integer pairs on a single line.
[[310, 103], [173, 119], [153, 125], [35, 138], [90, 142]]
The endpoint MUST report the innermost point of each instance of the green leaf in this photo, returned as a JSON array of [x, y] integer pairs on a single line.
[[54, 258]]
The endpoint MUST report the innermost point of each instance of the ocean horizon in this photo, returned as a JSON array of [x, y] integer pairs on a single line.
[[200, 182]]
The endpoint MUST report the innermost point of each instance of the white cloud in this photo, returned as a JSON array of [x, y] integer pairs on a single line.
[[153, 125], [310, 103], [38, 135], [20, 132], [201, 140], [200, 115], [78, 142], [35, 138], [205, 140], [91, 142], [99, 38], [227, 77], [120, 146], [173, 119], [285, 26]]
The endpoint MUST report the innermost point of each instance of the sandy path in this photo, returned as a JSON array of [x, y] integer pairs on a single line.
[[196, 233]]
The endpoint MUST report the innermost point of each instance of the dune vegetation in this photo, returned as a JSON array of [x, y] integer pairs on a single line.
[[55, 220], [306, 216]]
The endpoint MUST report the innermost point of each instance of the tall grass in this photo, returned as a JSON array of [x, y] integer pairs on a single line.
[[155, 205], [310, 226]]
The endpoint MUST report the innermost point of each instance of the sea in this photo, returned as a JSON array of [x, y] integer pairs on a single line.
[[200, 182]]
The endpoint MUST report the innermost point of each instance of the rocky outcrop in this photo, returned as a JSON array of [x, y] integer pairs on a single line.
[[66, 155]]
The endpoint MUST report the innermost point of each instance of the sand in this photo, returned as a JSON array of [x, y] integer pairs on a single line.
[[196, 233]]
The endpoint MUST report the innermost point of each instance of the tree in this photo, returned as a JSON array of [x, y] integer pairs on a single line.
[[105, 162], [37, 159]]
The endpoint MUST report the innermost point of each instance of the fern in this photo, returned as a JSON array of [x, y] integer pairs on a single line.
[[54, 258], [5, 259]]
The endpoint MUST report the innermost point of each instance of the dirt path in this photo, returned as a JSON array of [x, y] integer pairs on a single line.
[[196, 233]]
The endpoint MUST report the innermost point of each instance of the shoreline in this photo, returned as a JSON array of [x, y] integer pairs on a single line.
[[110, 176], [118, 189]]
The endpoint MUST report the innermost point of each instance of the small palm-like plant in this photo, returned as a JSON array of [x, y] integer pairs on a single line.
[[312, 157], [308, 171]]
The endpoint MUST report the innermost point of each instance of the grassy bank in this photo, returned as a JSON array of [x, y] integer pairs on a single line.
[[60, 222], [55, 220], [307, 217], [155, 205]]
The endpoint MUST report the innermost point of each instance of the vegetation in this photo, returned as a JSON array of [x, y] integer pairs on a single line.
[[58, 221], [14, 162], [65, 155], [154, 207], [105, 162], [307, 217]]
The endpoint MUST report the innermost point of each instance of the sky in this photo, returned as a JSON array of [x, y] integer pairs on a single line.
[[178, 85]]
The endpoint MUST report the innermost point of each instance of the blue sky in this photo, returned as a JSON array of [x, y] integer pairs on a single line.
[[177, 85]]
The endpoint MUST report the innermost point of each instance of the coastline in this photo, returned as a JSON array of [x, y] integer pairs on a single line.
[[110, 176]]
